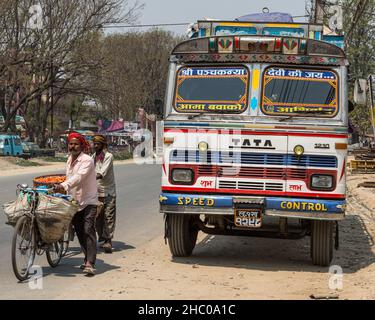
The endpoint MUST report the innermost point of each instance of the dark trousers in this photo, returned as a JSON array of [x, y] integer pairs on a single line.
[[84, 225], [106, 220]]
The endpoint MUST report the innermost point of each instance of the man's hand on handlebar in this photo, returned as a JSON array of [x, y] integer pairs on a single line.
[[58, 188], [99, 176]]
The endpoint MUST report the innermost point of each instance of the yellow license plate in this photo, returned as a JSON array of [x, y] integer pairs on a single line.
[[248, 218]]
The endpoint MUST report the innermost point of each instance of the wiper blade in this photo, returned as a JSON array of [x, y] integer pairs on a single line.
[[286, 118], [196, 115], [310, 113]]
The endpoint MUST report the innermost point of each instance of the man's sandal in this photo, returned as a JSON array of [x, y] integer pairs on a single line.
[[90, 271]]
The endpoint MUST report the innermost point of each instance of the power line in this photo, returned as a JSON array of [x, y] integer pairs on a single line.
[[114, 25], [107, 26], [164, 24], [148, 25]]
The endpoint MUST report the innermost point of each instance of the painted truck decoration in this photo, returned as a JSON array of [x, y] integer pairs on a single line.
[[255, 136]]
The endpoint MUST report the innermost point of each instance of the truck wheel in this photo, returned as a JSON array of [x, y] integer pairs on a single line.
[[322, 242], [182, 234]]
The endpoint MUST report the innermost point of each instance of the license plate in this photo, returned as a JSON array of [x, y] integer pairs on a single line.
[[248, 218]]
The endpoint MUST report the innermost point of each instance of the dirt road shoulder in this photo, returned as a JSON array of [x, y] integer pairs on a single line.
[[247, 268], [8, 169]]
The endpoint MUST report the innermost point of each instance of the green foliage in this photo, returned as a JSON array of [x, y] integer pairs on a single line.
[[360, 118], [25, 163], [53, 159], [359, 29], [122, 155], [135, 73]]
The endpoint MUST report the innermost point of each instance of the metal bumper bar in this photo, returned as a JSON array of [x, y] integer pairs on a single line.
[[320, 209]]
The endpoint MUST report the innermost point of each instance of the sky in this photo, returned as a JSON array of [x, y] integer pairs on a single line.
[[179, 11]]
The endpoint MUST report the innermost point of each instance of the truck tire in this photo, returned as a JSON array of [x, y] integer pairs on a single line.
[[182, 234], [322, 242]]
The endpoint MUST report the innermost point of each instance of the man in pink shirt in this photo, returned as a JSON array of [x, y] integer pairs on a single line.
[[81, 185]]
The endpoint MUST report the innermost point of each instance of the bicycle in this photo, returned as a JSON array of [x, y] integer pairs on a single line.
[[27, 241], [68, 237]]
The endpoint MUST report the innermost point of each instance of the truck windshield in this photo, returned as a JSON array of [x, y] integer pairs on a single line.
[[211, 89], [300, 92]]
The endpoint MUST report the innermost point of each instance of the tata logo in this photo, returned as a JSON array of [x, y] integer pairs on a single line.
[[252, 144]]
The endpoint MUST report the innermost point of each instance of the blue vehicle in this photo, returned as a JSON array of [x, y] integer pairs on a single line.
[[10, 145]]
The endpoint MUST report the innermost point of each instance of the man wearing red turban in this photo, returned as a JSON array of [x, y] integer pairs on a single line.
[[80, 138], [81, 185]]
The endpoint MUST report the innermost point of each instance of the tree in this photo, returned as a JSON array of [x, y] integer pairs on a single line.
[[136, 71], [359, 27], [38, 64]]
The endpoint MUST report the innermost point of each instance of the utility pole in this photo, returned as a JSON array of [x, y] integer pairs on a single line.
[[318, 11]]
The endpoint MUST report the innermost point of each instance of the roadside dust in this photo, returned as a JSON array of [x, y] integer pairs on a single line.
[[247, 268], [8, 168]]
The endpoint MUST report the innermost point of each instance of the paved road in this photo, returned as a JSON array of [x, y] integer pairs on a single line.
[[138, 221]]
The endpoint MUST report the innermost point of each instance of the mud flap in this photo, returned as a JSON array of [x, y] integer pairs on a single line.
[[166, 228], [337, 236]]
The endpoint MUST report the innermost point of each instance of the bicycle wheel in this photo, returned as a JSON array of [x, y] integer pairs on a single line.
[[65, 243], [68, 236], [54, 253], [23, 247]]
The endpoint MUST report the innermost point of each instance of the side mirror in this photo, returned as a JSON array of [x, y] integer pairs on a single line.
[[158, 103], [360, 90], [350, 106]]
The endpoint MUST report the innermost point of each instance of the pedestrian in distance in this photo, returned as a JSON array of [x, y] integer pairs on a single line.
[[82, 186], [106, 219]]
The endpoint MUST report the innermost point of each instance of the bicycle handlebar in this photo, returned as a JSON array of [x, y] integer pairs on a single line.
[[25, 188]]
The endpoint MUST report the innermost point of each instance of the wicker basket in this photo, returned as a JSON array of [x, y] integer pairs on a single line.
[[50, 184]]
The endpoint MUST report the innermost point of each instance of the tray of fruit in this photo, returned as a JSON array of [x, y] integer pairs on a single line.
[[48, 180]]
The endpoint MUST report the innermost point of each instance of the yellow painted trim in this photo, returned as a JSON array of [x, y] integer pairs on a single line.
[[341, 146], [258, 126], [256, 77], [287, 105], [283, 25], [235, 24]]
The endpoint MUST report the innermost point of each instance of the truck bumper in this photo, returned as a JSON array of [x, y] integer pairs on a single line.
[[301, 208]]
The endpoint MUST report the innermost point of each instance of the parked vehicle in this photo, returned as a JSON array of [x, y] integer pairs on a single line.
[[10, 145], [255, 135], [36, 151], [26, 150]]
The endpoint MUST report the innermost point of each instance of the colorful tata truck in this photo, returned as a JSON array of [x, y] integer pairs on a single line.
[[255, 135]]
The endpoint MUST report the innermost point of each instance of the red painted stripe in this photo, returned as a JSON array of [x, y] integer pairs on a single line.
[[237, 42], [165, 172], [343, 170], [259, 173], [187, 189], [257, 133], [256, 192]]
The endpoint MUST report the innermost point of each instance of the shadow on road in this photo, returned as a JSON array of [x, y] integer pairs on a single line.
[[70, 268], [69, 265], [121, 246], [355, 251]]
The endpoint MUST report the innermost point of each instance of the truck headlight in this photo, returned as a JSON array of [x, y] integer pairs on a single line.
[[321, 182], [182, 176], [203, 146]]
